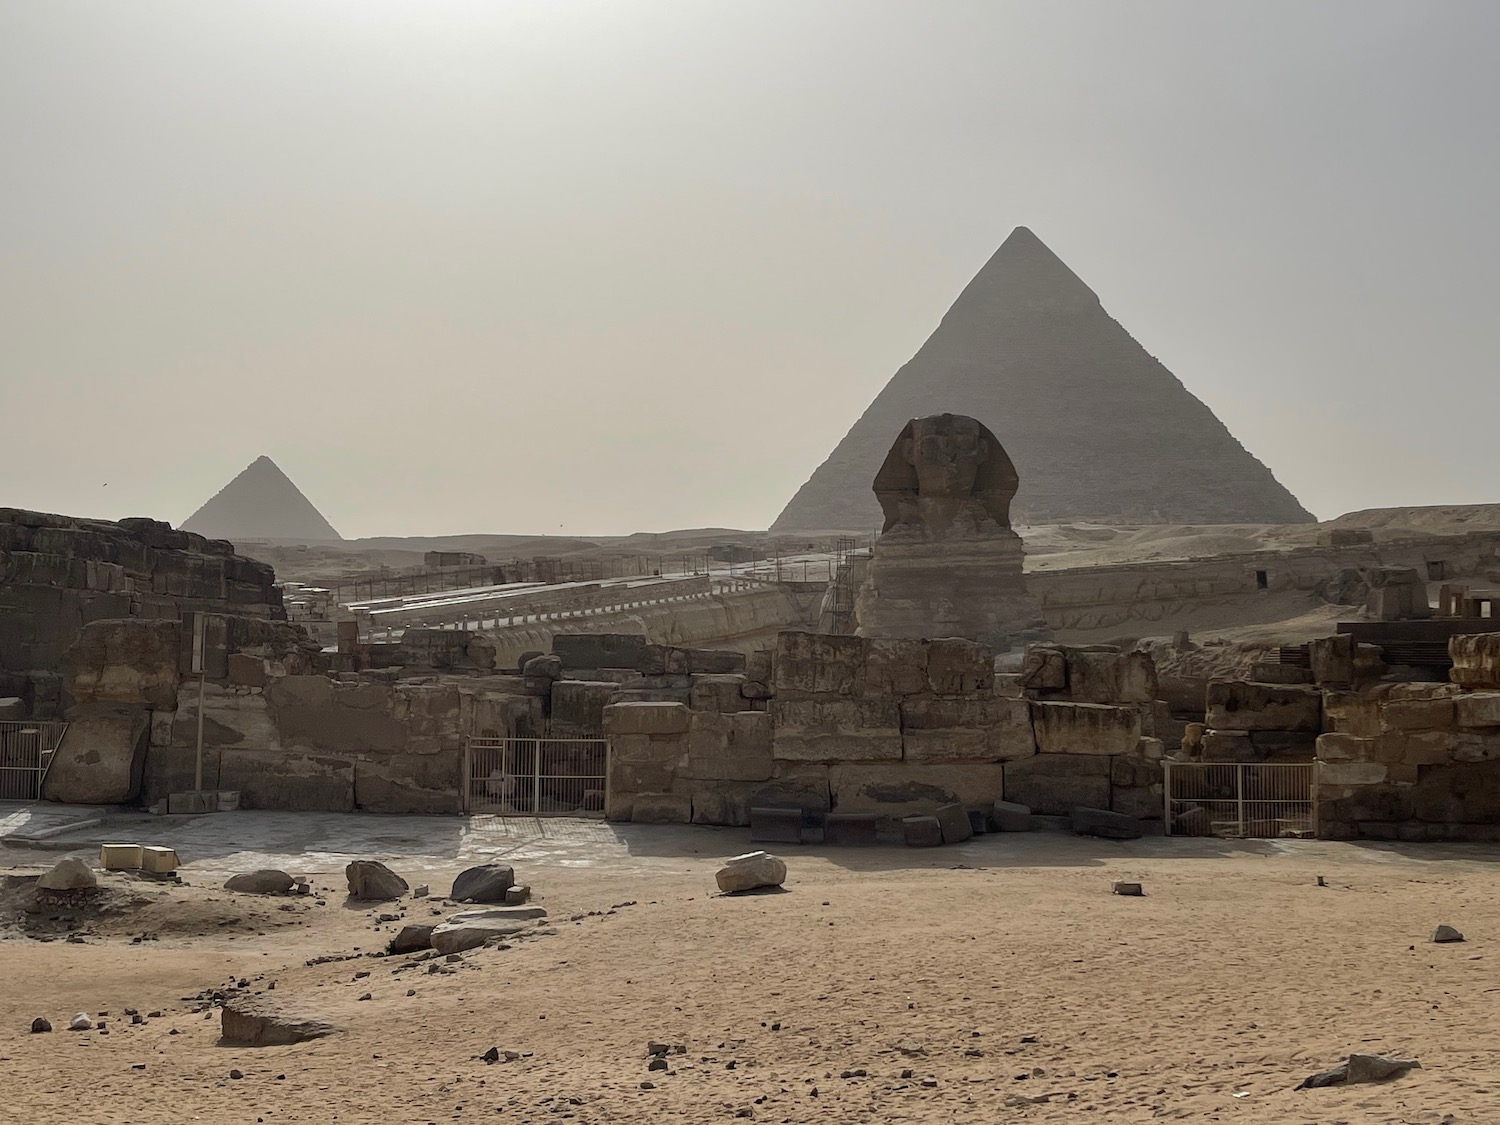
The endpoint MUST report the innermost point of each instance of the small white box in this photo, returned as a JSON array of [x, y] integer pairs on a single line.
[[120, 857]]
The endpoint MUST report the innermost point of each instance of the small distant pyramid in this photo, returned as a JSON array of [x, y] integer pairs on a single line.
[[260, 503], [1097, 428]]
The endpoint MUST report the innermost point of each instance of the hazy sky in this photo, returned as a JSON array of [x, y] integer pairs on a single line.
[[606, 266]]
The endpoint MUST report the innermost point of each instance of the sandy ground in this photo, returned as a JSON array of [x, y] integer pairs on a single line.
[[995, 971]]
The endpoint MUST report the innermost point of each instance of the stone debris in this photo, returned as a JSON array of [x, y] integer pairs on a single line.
[[953, 822], [486, 884], [40, 1024], [372, 881], [751, 871], [1359, 1068], [1011, 817], [470, 929], [421, 892], [1105, 824], [81, 1022], [518, 896], [70, 874], [266, 881], [259, 1021], [921, 831], [1133, 890], [1444, 934], [412, 938]]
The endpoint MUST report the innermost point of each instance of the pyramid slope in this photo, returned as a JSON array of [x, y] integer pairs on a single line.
[[1098, 429], [260, 503]]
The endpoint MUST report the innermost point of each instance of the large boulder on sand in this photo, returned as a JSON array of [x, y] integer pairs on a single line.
[[751, 871], [266, 881], [412, 938], [483, 884], [259, 1021], [470, 929], [373, 881], [69, 874]]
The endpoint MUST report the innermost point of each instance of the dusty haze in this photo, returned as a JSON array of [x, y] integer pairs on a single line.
[[603, 267]]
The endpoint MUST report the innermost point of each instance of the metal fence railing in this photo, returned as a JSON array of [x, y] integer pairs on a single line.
[[26, 749], [1242, 800], [536, 776]]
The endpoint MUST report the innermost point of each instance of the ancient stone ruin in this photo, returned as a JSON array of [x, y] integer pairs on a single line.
[[947, 563], [1104, 431]]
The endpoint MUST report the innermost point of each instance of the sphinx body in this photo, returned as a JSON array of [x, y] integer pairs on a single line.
[[947, 563]]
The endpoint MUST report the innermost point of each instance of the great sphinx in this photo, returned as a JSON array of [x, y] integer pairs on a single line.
[[947, 563]]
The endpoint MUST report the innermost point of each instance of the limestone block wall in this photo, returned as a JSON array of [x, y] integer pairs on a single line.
[[893, 727], [59, 573]]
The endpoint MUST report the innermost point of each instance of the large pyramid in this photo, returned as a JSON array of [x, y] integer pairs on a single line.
[[260, 503], [1098, 429]]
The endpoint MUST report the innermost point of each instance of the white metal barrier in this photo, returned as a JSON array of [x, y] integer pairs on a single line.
[[1243, 800], [536, 776], [26, 749]]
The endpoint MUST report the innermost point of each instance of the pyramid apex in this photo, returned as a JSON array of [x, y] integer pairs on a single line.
[[261, 502]]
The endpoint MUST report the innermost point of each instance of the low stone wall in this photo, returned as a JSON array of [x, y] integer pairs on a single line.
[[895, 728]]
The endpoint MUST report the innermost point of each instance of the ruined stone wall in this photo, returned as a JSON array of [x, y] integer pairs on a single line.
[[59, 573], [894, 727], [1086, 598]]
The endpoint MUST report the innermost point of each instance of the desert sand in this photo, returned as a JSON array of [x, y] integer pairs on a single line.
[[999, 970]]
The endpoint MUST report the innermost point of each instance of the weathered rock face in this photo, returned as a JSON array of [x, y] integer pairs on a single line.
[[470, 929], [1028, 347], [102, 758], [261, 1021], [947, 562], [750, 872]]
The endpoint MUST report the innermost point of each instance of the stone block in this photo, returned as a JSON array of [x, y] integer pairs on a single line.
[[1266, 672], [1011, 817], [1477, 709], [1052, 784], [578, 707], [850, 830], [975, 728], [922, 831], [959, 667], [898, 789], [733, 747], [895, 666], [192, 803], [1106, 824], [599, 650], [718, 693], [1356, 713], [1476, 660], [1085, 728], [1332, 660], [953, 819], [817, 664], [1097, 676], [1146, 803], [1417, 714], [664, 660], [836, 730], [288, 781], [661, 808], [775, 825], [247, 670], [715, 662], [102, 758], [131, 661], [1242, 705], [1336, 746], [646, 718], [1044, 668], [1283, 745], [803, 784], [1351, 773], [718, 802]]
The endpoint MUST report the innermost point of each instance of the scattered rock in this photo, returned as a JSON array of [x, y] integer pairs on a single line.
[[412, 938], [853, 1074], [266, 881], [421, 892], [40, 1024], [657, 1063], [751, 871], [1106, 824], [518, 896], [953, 822], [372, 881], [1444, 934], [1359, 1068], [81, 1022], [1134, 890], [236, 1074], [70, 874], [483, 884], [648, 1085], [258, 1021], [1011, 817], [470, 929]]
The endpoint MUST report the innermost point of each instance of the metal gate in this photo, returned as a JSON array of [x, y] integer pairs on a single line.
[[26, 750], [1240, 800], [537, 776]]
